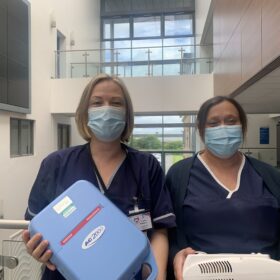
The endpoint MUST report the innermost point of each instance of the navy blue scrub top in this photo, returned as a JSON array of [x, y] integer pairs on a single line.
[[139, 175], [219, 221]]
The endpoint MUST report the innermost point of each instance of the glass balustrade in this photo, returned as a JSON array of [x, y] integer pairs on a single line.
[[135, 62]]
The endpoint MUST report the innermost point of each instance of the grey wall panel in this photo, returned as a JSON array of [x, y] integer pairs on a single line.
[[14, 55]]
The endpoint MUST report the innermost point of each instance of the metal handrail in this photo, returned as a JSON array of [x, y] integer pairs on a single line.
[[13, 224], [11, 261], [134, 48]]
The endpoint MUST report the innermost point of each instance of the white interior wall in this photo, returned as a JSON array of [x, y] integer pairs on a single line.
[[201, 11], [148, 94], [265, 152], [17, 174], [81, 20]]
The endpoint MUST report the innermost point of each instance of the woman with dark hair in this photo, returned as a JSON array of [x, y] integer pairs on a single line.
[[224, 201]]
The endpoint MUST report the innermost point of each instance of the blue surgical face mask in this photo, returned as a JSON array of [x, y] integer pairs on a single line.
[[223, 141], [106, 123]]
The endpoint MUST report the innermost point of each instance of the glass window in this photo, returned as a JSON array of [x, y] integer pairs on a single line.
[[156, 69], [173, 119], [172, 53], [14, 56], [21, 137], [149, 49], [173, 138], [108, 70], [144, 43], [107, 53], [147, 120], [107, 29], [183, 52], [63, 136], [116, 28], [178, 41], [178, 25], [140, 71], [171, 69], [147, 138], [168, 137], [26, 135], [121, 28], [146, 27], [122, 51]]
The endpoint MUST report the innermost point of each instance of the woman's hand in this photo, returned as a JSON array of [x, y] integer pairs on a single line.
[[179, 260], [38, 248]]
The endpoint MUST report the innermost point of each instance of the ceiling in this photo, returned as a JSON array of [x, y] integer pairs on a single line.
[[263, 96]]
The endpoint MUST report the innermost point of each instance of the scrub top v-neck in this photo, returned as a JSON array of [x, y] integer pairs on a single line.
[[139, 175], [218, 220]]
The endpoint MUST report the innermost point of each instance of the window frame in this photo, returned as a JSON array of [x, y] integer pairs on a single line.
[[131, 21], [130, 66], [161, 124], [60, 129], [19, 141]]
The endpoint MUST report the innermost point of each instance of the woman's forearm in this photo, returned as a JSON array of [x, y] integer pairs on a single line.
[[159, 243]]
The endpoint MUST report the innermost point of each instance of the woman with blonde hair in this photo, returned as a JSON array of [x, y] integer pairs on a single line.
[[129, 178]]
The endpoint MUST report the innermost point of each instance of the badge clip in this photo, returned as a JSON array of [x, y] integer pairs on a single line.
[[140, 217]]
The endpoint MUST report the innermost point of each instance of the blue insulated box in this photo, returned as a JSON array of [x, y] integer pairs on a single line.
[[91, 238]]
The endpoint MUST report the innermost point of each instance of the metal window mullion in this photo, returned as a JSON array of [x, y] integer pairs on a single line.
[[59, 136], [131, 27], [162, 141], [162, 46], [68, 135], [131, 58], [27, 140], [164, 125], [131, 32], [162, 131]]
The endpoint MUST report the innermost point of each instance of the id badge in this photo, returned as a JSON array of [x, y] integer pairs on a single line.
[[142, 220]]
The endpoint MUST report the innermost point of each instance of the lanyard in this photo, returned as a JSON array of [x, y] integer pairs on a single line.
[[100, 180], [139, 194]]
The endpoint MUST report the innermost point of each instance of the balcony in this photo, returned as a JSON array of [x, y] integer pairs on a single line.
[[135, 62]]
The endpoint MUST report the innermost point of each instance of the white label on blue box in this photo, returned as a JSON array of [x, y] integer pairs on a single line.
[[62, 205], [69, 210]]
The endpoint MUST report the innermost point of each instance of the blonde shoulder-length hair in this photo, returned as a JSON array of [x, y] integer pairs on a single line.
[[82, 109]]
